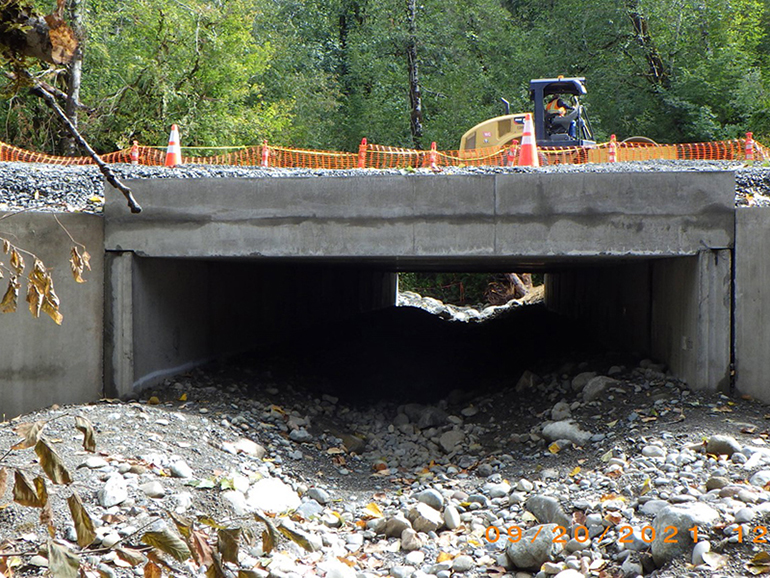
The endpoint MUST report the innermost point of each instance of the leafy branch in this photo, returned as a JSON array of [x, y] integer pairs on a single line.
[[41, 295]]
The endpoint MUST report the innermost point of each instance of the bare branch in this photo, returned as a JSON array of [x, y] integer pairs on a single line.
[[106, 171]]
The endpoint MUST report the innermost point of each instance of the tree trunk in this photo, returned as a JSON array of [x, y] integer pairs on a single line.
[[415, 94], [657, 72], [68, 144]]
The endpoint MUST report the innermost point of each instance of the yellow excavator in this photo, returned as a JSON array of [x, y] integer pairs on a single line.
[[560, 122], [561, 126]]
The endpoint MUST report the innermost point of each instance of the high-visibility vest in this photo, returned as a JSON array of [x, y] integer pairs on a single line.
[[553, 106]]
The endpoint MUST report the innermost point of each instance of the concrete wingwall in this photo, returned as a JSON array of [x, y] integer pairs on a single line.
[[752, 302], [169, 315], [42, 363]]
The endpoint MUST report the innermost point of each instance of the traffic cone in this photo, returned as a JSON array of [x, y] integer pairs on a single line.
[[433, 157], [174, 151], [612, 150], [749, 146], [528, 156]]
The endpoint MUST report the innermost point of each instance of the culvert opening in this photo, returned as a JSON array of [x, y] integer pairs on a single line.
[[333, 329], [424, 349]]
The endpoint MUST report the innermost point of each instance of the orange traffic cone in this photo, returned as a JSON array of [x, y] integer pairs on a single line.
[[612, 150], [749, 146], [174, 152], [528, 152]]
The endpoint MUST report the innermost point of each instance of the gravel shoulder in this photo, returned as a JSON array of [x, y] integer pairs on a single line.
[[31, 186]]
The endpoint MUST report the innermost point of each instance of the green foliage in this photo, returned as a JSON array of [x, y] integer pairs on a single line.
[[455, 288]]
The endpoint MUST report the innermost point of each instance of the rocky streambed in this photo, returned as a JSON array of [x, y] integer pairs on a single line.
[[586, 465]]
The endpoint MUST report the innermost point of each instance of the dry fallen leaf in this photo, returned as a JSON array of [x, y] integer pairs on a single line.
[[759, 564]]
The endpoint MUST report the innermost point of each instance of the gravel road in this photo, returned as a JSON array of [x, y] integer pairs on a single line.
[[30, 186]]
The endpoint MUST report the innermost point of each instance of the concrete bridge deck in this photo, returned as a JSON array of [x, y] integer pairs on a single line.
[[304, 250]]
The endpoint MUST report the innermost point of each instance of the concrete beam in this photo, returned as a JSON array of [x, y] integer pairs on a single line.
[[418, 218]]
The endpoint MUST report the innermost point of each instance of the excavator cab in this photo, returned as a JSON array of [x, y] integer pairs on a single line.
[[560, 119]]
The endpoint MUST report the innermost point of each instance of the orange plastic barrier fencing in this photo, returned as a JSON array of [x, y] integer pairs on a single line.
[[384, 157]]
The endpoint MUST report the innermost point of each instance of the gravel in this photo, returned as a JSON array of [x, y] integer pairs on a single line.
[[39, 187], [657, 456]]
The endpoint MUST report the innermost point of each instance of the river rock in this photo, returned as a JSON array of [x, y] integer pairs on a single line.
[[530, 553], [682, 517], [528, 380], [319, 495], [113, 492], [547, 510], [451, 517], [431, 417], [566, 430], [449, 441], [300, 435], [596, 387], [698, 551], [153, 489], [424, 518], [336, 569], [410, 540], [722, 445], [561, 411], [760, 479], [431, 497], [272, 495], [582, 379], [462, 564], [180, 469], [395, 526]]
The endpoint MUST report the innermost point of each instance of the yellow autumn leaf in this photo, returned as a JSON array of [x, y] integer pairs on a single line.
[[374, 510], [575, 472]]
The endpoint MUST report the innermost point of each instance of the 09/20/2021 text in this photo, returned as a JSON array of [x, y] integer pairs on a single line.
[[648, 534]]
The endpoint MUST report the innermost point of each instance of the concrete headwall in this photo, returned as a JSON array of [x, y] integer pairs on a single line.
[[42, 363], [419, 218]]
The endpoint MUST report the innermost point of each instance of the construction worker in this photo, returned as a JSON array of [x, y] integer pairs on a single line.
[[557, 106], [563, 116]]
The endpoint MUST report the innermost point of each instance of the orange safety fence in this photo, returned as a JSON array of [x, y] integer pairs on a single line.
[[384, 157]]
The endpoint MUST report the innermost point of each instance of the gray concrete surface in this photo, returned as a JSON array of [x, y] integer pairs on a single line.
[[752, 302], [42, 363], [418, 218], [217, 266], [691, 317]]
